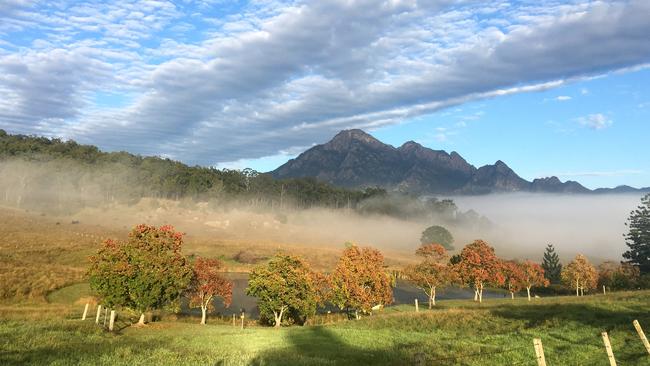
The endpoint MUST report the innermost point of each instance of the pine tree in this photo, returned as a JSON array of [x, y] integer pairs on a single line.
[[638, 238], [551, 264]]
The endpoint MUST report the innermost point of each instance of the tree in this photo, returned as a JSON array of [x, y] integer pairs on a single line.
[[437, 235], [533, 276], [109, 273], [208, 283], [359, 281], [285, 285], [551, 264], [513, 276], [479, 266], [580, 274], [638, 237], [144, 273], [618, 276], [433, 272]]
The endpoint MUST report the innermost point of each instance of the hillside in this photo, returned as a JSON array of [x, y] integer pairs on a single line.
[[355, 159]]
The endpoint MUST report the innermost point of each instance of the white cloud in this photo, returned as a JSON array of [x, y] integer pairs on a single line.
[[596, 121], [562, 98], [272, 75]]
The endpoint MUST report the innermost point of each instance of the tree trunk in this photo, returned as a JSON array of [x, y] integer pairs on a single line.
[[278, 317], [141, 321], [577, 288], [528, 290], [480, 294], [475, 294], [433, 298], [512, 295], [204, 311], [356, 315]]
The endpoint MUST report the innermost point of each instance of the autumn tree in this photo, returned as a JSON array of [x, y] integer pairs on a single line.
[[638, 236], [433, 272], [144, 273], [285, 285], [437, 235], [359, 281], [513, 276], [207, 284], [580, 274], [479, 267], [533, 276], [618, 276], [551, 264]]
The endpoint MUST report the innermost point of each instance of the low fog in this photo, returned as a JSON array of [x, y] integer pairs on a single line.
[[521, 224], [589, 224]]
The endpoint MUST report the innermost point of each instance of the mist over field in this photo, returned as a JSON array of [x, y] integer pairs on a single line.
[[521, 224], [524, 223]]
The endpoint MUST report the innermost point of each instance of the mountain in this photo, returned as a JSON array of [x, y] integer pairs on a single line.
[[354, 158]]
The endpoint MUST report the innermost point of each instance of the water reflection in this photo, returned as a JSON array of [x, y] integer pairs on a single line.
[[403, 293]]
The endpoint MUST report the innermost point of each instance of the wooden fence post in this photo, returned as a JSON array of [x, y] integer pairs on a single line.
[[604, 292], [99, 313], [111, 323], [417, 308], [608, 348], [539, 352], [242, 321], [105, 315], [83, 317], [637, 326]]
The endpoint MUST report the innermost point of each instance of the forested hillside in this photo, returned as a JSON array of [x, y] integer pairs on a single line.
[[40, 173]]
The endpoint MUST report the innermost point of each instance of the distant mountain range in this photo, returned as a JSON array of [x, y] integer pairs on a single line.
[[355, 159]]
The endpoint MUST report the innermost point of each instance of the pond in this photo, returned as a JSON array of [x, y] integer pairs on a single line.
[[403, 293]]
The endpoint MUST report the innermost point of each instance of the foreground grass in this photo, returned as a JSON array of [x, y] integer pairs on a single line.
[[499, 332]]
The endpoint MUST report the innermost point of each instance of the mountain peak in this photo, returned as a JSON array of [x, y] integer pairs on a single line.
[[354, 158], [343, 139]]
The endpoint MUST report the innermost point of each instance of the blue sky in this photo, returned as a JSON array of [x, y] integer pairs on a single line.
[[551, 88]]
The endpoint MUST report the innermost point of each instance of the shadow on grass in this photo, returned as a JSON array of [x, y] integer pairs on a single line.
[[91, 350], [592, 319], [596, 316], [319, 345]]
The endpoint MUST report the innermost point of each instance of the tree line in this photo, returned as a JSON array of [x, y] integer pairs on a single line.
[[42, 173]]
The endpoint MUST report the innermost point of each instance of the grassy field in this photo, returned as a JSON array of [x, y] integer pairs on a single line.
[[499, 332]]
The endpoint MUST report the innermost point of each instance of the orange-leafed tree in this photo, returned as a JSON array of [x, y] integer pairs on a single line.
[[360, 282], [533, 276], [207, 284], [513, 276], [580, 274], [479, 267], [434, 272]]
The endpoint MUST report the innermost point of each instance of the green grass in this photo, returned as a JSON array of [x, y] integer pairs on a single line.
[[499, 332]]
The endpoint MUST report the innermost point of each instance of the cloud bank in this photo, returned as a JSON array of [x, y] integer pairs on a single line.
[[208, 83]]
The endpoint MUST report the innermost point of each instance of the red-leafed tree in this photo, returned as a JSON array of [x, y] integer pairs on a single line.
[[433, 272], [479, 267], [513, 275], [207, 284], [360, 281], [533, 276]]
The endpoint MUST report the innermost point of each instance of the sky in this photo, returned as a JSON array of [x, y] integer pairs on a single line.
[[549, 87]]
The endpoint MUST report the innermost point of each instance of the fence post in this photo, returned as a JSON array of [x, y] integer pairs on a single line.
[[604, 292], [637, 326], [99, 313], [105, 315], [111, 322], [83, 317], [417, 308], [608, 348], [539, 352], [233, 320], [242, 320]]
